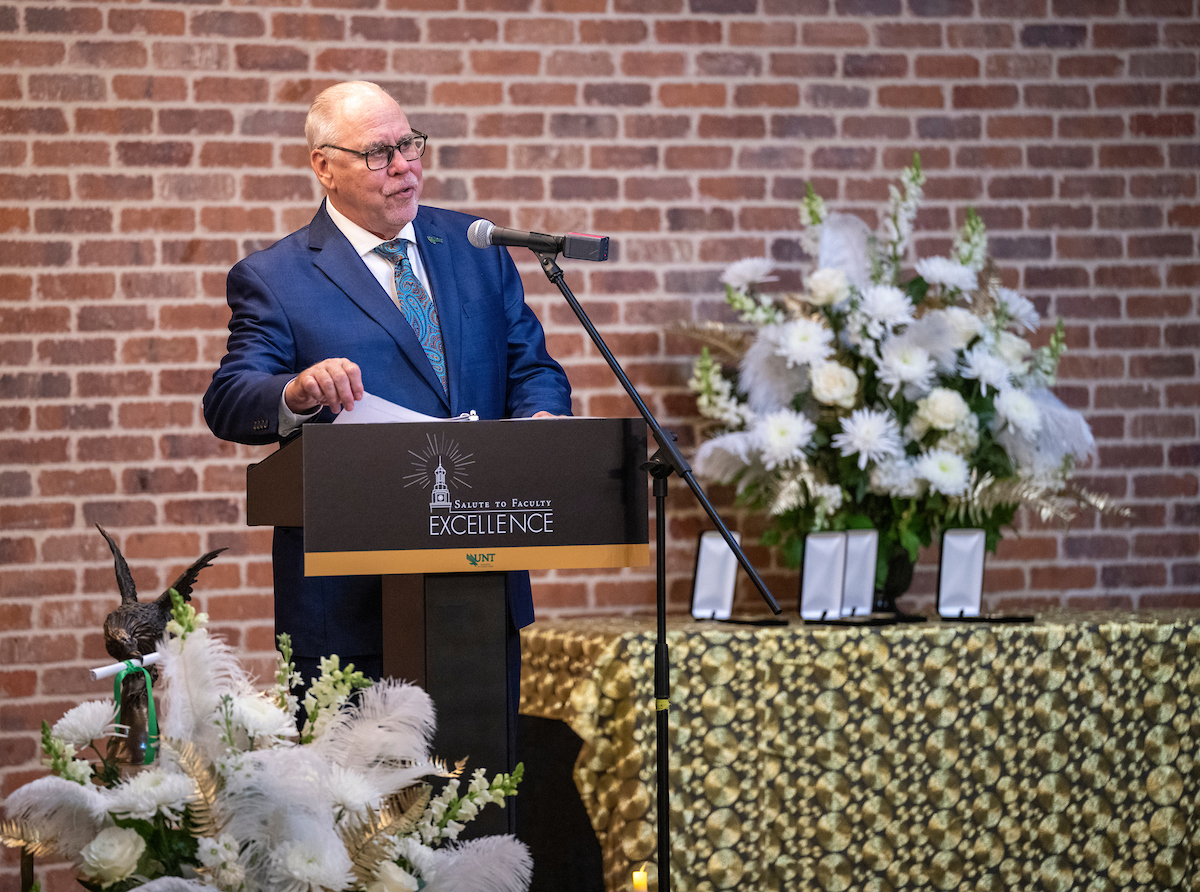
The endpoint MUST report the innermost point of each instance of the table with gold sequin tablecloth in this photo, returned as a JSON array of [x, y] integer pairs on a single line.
[[1059, 755]]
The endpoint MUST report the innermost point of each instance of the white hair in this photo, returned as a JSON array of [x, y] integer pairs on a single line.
[[321, 127]]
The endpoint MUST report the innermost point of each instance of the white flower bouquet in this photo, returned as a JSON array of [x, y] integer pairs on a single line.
[[878, 398], [243, 800]]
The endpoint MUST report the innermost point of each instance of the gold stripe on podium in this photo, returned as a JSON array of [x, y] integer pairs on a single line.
[[466, 560]]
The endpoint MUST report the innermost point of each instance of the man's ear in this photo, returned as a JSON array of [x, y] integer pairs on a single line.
[[321, 167]]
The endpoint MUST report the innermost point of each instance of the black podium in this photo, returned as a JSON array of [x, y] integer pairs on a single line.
[[440, 510]]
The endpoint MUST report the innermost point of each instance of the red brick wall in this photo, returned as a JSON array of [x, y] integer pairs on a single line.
[[148, 145]]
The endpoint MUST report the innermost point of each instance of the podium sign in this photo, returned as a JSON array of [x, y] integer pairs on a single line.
[[439, 510], [474, 496]]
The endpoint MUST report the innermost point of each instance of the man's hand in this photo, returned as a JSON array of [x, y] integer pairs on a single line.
[[335, 383], [545, 414]]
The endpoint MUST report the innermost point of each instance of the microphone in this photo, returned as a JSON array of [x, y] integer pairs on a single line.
[[573, 245]]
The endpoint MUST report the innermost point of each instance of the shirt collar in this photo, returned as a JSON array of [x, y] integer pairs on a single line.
[[361, 240]]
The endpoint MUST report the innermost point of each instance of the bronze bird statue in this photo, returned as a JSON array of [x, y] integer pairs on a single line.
[[131, 632], [133, 629]]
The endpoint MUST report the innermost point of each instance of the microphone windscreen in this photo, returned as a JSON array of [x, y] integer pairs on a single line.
[[479, 233]]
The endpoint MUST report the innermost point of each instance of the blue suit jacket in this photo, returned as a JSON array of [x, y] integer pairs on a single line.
[[310, 297]]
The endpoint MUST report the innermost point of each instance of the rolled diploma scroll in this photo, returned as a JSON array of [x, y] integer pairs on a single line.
[[110, 671]]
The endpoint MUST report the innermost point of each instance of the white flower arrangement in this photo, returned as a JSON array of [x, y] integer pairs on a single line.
[[241, 800], [907, 404]]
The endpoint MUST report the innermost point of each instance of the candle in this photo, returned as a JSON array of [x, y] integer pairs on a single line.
[[639, 881]]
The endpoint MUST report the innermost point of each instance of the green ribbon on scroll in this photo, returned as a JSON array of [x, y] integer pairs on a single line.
[[152, 719]]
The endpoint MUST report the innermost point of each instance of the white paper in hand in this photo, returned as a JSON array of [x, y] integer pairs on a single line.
[[376, 410]]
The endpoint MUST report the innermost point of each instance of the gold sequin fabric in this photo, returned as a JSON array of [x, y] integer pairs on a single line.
[[1054, 756]]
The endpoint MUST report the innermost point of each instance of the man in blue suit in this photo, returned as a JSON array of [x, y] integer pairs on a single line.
[[426, 321]]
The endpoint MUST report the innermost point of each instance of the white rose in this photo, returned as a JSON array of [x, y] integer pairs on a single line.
[[1013, 350], [391, 877], [834, 385], [112, 856], [943, 409], [827, 286]]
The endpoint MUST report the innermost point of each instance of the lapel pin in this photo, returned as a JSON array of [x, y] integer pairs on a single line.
[[433, 240]]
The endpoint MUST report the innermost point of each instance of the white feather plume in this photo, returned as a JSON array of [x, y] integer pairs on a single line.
[[275, 798], [764, 375], [844, 245], [932, 333], [174, 884], [722, 457], [71, 814], [1064, 432], [490, 864], [392, 722], [197, 676]]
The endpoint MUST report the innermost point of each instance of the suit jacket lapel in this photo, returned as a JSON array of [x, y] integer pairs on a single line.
[[336, 258], [434, 245]]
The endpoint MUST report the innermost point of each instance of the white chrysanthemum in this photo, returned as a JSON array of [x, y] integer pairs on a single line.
[[985, 367], [152, 791], [85, 723], [1014, 351], [827, 287], [834, 385], [261, 718], [220, 858], [112, 856], [964, 325], [422, 858], [741, 274], [1016, 411], [217, 853], [887, 306], [904, 365], [897, 478], [1020, 310], [943, 409], [947, 273], [782, 437], [869, 434], [305, 867], [946, 471], [804, 342], [351, 792]]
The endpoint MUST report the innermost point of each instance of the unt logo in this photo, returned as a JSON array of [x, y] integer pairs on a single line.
[[477, 559]]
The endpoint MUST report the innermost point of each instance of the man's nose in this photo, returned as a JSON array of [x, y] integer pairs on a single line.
[[398, 165]]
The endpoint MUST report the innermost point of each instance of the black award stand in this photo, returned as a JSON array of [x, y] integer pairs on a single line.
[[666, 460]]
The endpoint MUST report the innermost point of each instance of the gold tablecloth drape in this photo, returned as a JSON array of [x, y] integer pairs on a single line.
[[1052, 756]]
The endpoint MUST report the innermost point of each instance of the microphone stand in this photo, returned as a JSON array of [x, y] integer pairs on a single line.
[[666, 460]]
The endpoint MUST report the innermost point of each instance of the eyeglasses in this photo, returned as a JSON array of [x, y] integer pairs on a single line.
[[410, 149]]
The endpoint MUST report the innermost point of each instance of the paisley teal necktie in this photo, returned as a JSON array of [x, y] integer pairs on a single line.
[[417, 306]]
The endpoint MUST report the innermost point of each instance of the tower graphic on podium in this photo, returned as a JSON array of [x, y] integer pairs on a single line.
[[439, 500]]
